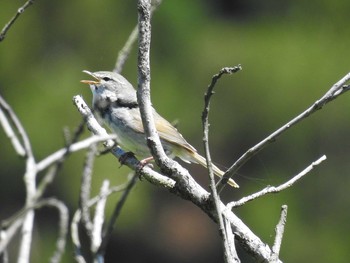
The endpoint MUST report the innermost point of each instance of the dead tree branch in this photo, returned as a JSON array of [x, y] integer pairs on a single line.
[[20, 11], [229, 257], [336, 90]]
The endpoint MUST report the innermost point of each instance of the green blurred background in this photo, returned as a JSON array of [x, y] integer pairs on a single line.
[[291, 53]]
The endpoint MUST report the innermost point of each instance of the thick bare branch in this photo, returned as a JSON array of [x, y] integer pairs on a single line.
[[144, 84]]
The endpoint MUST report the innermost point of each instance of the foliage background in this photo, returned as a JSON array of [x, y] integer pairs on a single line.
[[291, 53]]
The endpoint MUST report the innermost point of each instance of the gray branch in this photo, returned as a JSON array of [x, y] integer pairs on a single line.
[[273, 189], [279, 234], [336, 90], [225, 233], [20, 10]]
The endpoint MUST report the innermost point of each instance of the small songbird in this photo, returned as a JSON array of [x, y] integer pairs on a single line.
[[115, 101]]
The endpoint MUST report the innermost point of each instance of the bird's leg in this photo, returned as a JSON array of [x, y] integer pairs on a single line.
[[146, 161]]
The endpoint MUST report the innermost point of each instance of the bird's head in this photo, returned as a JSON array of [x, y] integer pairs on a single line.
[[109, 87]]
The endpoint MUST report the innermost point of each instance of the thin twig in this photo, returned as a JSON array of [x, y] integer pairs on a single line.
[[58, 164], [18, 126], [125, 51], [336, 90], [78, 215], [96, 237], [12, 225], [63, 225], [9, 131], [215, 197], [205, 114], [108, 232], [78, 146], [14, 18], [279, 235], [273, 189], [30, 184], [74, 228]]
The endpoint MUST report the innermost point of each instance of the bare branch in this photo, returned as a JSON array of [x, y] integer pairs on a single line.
[[26, 237], [78, 146], [63, 225], [10, 132], [85, 189], [125, 51], [216, 199], [205, 114], [231, 241], [7, 232], [18, 126], [273, 189], [78, 216], [91, 122], [144, 89], [336, 90], [108, 232], [30, 184], [279, 235], [14, 18], [75, 237], [96, 237]]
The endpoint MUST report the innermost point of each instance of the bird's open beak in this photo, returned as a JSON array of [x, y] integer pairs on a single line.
[[90, 82]]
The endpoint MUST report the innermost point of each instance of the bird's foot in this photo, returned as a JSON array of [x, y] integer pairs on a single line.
[[145, 162]]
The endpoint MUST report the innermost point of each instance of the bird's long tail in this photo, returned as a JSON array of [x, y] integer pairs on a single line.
[[202, 161]]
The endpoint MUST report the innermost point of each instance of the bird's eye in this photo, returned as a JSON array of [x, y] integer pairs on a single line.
[[106, 78]]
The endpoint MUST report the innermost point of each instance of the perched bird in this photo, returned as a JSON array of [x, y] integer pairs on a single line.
[[115, 101]]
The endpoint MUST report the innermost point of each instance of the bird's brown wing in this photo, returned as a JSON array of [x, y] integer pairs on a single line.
[[166, 131], [169, 133]]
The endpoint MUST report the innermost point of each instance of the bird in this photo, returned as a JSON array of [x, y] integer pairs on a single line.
[[115, 102]]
